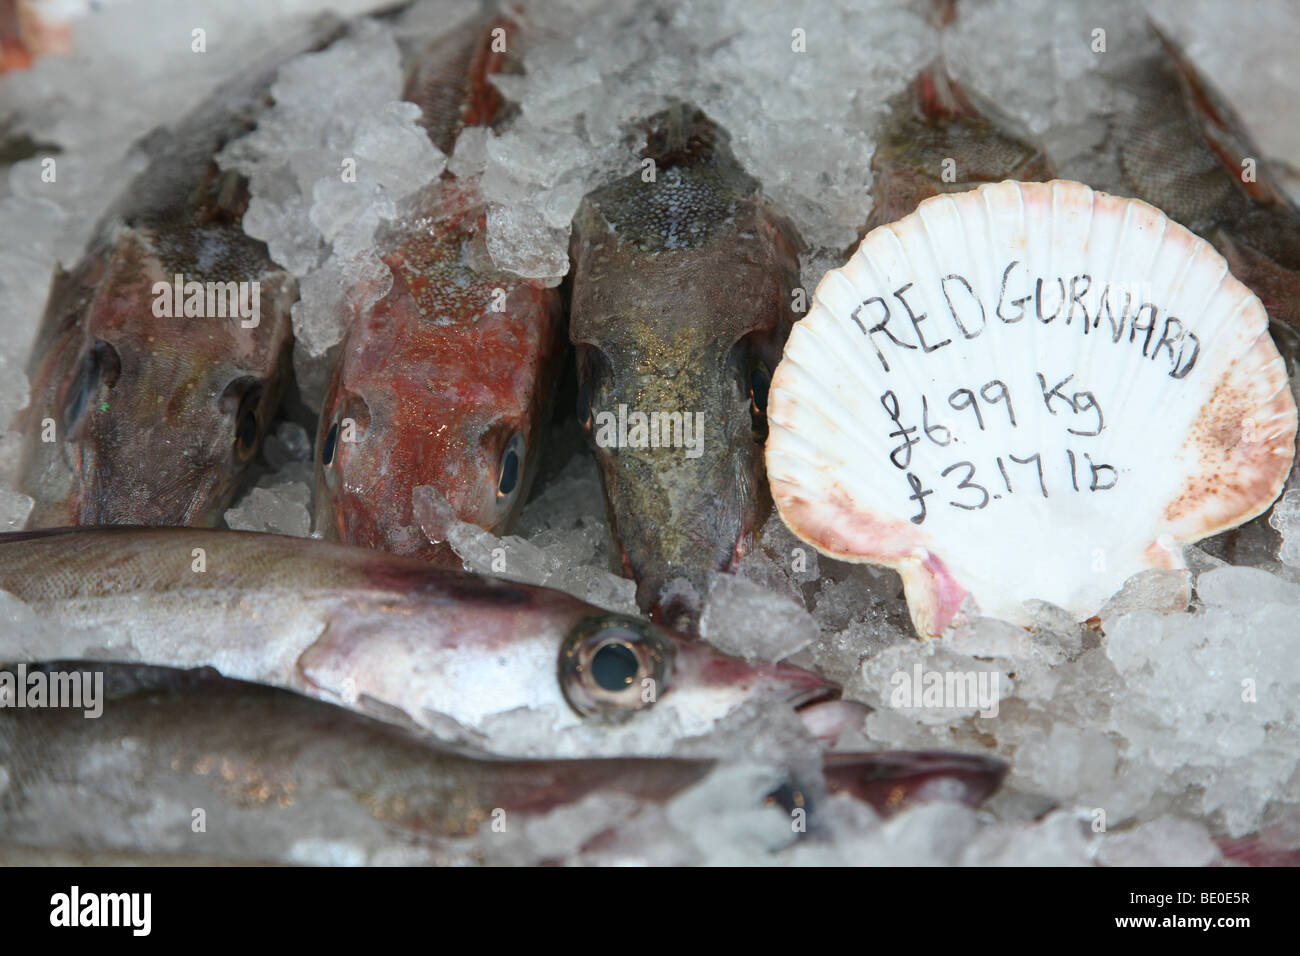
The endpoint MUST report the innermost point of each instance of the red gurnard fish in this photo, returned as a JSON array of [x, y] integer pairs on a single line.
[[940, 138], [447, 380], [142, 411], [681, 307]]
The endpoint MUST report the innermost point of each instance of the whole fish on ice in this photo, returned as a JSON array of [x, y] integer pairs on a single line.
[[682, 300], [286, 779], [163, 353], [505, 667], [447, 381], [282, 779]]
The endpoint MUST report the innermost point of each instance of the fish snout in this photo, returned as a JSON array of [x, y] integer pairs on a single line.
[[677, 604]]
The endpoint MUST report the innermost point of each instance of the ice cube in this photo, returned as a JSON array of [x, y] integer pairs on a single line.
[[521, 241], [14, 509], [1165, 841], [282, 509], [747, 620], [1285, 520]]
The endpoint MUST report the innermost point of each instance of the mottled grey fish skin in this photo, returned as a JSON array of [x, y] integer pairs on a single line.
[[451, 652], [280, 778], [137, 418], [682, 302], [935, 125]]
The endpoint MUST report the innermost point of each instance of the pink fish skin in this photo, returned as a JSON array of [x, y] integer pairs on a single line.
[[448, 380]]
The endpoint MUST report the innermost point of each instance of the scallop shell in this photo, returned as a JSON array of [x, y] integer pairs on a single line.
[[1026, 391]]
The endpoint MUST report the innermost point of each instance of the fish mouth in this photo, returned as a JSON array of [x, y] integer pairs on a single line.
[[815, 695], [892, 780], [826, 714]]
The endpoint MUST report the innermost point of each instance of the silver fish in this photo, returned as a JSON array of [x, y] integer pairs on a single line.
[[500, 666], [280, 778]]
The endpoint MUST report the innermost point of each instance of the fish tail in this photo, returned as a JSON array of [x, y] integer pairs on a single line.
[[682, 135], [451, 79]]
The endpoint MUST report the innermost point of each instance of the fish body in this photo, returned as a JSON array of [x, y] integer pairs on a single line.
[[681, 304], [162, 355], [281, 779], [938, 139], [446, 381], [502, 667], [1184, 150], [449, 78]]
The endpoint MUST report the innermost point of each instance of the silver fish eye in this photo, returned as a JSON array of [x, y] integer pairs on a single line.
[[613, 666], [511, 471]]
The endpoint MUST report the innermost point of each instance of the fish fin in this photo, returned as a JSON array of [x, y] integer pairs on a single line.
[[681, 135], [451, 78], [939, 97]]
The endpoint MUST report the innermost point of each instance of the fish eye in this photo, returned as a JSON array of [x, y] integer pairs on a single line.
[[246, 430], [760, 380], [246, 423], [584, 404], [331, 442], [613, 666], [100, 368], [248, 390], [351, 417], [512, 466]]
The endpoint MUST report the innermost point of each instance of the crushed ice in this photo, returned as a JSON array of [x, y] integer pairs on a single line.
[[1130, 740]]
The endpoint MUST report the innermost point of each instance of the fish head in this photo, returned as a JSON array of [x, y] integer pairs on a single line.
[[446, 382], [474, 658], [938, 138], [681, 307], [150, 398]]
